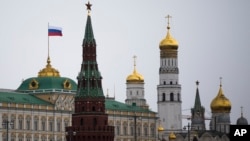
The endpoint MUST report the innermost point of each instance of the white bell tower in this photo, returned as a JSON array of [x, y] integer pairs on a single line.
[[169, 89]]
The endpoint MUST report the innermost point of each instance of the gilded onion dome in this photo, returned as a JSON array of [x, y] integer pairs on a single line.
[[135, 76], [48, 71], [220, 103], [168, 42], [160, 128], [172, 136]]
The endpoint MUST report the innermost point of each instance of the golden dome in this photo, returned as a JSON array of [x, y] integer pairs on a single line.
[[172, 136], [160, 128], [48, 71], [135, 76], [169, 42], [220, 103]]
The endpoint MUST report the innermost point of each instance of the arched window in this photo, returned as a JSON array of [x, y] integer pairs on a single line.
[[171, 82], [164, 83], [93, 108], [163, 97], [178, 97], [171, 97]]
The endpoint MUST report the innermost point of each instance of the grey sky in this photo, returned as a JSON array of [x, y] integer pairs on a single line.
[[213, 41]]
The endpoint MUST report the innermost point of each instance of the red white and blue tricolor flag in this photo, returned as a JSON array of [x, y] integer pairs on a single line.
[[54, 31]]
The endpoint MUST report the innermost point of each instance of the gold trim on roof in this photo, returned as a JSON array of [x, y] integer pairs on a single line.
[[49, 71], [33, 84], [67, 84]]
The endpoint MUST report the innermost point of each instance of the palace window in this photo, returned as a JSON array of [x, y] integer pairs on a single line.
[[131, 131], [28, 124], [35, 125], [20, 124], [118, 130], [50, 125], [145, 131], [43, 125], [58, 126], [125, 130]]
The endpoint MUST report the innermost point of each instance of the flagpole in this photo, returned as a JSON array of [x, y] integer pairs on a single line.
[[48, 40]]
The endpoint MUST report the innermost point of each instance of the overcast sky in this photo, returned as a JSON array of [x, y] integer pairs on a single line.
[[213, 36]]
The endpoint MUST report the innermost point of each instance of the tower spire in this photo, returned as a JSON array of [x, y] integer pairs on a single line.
[[197, 103], [89, 78]]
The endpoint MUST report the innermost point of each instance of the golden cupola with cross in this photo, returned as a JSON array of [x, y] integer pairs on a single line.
[[135, 77], [168, 45], [220, 104]]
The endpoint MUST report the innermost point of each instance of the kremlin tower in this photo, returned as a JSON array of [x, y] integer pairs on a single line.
[[198, 113], [89, 122], [169, 89]]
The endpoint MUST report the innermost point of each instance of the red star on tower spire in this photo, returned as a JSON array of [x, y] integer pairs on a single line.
[[88, 6]]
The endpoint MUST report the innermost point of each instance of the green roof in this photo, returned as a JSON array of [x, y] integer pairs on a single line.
[[47, 83], [89, 34], [20, 98], [111, 104]]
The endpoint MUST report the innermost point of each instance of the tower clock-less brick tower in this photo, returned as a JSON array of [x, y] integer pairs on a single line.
[[89, 122]]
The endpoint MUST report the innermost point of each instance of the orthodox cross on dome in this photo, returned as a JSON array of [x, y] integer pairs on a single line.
[[220, 81], [134, 61], [241, 109], [88, 6], [168, 17]]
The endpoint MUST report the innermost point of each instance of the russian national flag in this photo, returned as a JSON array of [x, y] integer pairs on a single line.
[[54, 31]]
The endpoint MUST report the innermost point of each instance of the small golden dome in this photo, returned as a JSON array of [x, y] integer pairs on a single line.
[[172, 136], [160, 128], [49, 71], [135, 76], [220, 103]]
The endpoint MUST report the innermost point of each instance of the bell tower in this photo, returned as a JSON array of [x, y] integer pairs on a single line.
[[169, 89], [89, 122]]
